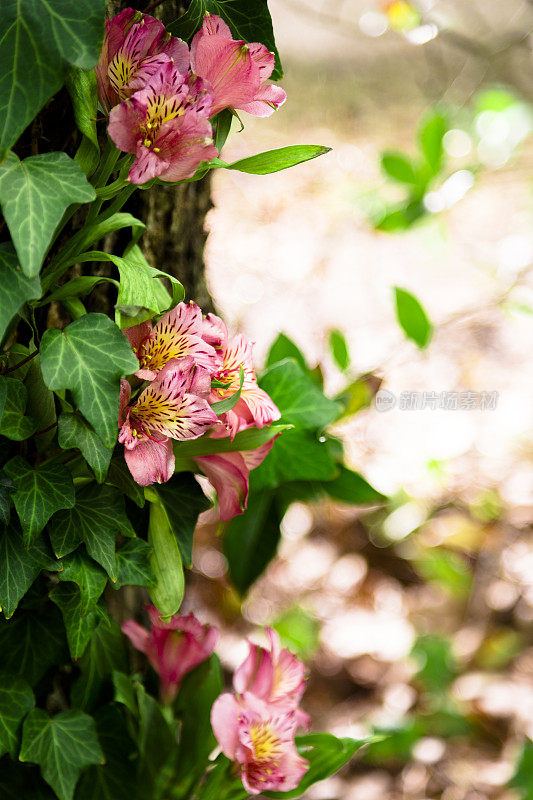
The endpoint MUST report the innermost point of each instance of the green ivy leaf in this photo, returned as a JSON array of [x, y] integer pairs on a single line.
[[276, 160], [300, 401], [296, 456], [247, 19], [326, 755], [183, 501], [80, 622], [412, 318], [15, 425], [251, 540], [19, 568], [41, 405], [34, 194], [62, 746], [89, 357], [31, 643], [339, 349], [7, 487], [350, 487], [133, 564], [38, 41], [120, 476], [106, 652], [167, 592], [91, 579], [40, 493], [117, 778], [283, 348], [75, 432], [16, 699], [96, 519], [17, 288]]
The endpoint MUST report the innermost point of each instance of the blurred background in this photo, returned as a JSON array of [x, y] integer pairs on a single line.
[[415, 618]]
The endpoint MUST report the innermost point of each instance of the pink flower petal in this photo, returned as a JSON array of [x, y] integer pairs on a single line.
[[224, 721], [266, 100], [150, 462]]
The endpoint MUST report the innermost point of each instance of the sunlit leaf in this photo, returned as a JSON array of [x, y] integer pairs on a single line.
[[412, 318]]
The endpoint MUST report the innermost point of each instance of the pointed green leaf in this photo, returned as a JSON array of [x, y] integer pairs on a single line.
[[300, 401], [89, 357], [412, 318], [91, 579], [351, 487], [133, 564], [276, 160], [117, 778], [283, 348], [247, 19], [430, 136], [157, 744], [15, 425], [38, 41], [62, 746], [75, 432], [31, 643], [83, 91], [399, 167], [96, 519], [167, 592], [7, 487], [16, 699], [120, 476], [19, 568], [40, 493], [79, 621], [296, 456], [106, 652], [245, 440], [339, 349], [34, 194], [17, 288], [183, 500]]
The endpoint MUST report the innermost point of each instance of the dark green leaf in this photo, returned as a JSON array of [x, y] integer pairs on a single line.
[[245, 440], [32, 642], [62, 746], [183, 501], [120, 476], [399, 167], [89, 357], [116, 779], [7, 487], [283, 348], [276, 160], [38, 41], [339, 349], [133, 564], [40, 493], [75, 432], [105, 653], [523, 777], [16, 699], [351, 487], [167, 592], [91, 579], [251, 540], [76, 287], [15, 425], [40, 405], [79, 622], [296, 456], [96, 519], [412, 318], [300, 401], [17, 288], [430, 137], [19, 568], [247, 19], [34, 195], [157, 744], [82, 87], [198, 692], [434, 656], [326, 755], [222, 123]]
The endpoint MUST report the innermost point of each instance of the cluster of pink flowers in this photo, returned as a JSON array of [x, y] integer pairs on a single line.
[[255, 726], [160, 96], [181, 356], [173, 648]]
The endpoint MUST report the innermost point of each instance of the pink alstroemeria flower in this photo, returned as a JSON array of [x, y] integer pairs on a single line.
[[254, 406], [178, 334], [260, 740], [229, 474], [135, 47], [276, 676], [164, 410], [173, 648], [237, 71], [165, 126]]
